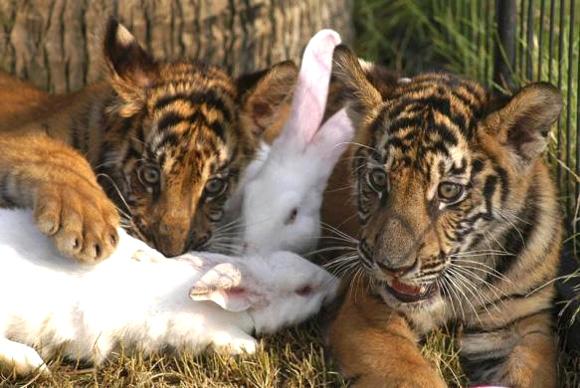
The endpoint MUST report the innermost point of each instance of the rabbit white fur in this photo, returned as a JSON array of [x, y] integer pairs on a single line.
[[139, 298], [230, 226], [282, 200]]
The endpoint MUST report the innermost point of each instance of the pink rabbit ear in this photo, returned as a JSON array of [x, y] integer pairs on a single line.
[[230, 287], [309, 100], [333, 137]]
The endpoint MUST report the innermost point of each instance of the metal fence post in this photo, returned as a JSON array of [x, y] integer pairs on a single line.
[[505, 48]]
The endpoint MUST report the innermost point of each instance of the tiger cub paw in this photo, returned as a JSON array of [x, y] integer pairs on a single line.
[[79, 218]]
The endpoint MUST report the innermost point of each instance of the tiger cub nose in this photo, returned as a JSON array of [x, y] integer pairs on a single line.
[[395, 271], [170, 238], [197, 243]]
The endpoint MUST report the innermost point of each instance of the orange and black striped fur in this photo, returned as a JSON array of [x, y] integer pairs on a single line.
[[167, 142], [459, 223]]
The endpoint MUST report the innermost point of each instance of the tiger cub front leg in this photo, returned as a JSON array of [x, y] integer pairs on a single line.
[[376, 347], [520, 355], [59, 185]]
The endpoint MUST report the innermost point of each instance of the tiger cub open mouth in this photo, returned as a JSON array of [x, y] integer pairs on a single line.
[[410, 293]]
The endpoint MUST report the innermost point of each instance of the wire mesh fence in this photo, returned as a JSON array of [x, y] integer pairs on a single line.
[[538, 40]]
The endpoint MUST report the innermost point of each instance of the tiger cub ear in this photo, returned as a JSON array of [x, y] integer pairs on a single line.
[[356, 87], [523, 124], [266, 98], [131, 68]]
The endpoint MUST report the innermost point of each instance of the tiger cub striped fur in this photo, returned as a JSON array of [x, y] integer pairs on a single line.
[[167, 142], [459, 223]]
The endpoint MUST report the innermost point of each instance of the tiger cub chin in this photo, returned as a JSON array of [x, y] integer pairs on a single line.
[[167, 142], [458, 223]]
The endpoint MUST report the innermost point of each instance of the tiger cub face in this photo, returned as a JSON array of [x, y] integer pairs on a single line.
[[178, 136], [446, 181]]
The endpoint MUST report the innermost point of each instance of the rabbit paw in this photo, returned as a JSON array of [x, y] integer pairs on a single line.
[[21, 359], [79, 218], [148, 256], [243, 345], [235, 344]]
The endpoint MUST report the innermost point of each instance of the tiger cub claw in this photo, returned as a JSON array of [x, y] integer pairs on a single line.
[[80, 220]]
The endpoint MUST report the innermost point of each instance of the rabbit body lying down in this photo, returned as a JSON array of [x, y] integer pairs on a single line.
[[142, 298]]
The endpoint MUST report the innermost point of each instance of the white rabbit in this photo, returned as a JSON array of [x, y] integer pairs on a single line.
[[281, 204], [140, 299], [231, 228]]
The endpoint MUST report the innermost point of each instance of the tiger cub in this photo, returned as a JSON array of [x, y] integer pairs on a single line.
[[167, 142], [459, 223]]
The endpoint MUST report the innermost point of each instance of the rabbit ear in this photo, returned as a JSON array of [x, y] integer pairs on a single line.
[[230, 287], [309, 100], [333, 137]]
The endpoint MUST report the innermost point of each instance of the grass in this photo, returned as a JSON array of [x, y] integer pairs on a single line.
[[292, 358], [412, 36]]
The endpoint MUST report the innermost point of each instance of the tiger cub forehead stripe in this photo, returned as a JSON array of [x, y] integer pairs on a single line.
[[208, 108], [209, 98]]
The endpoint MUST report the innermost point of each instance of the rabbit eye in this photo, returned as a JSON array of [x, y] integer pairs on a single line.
[[292, 217], [305, 290], [236, 290]]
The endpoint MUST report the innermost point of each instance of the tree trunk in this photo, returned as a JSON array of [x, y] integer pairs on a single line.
[[56, 44]]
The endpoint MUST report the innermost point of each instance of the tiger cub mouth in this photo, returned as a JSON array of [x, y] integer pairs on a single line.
[[410, 293]]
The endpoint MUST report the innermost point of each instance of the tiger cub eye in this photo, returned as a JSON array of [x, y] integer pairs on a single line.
[[215, 186], [450, 192], [148, 175], [378, 179]]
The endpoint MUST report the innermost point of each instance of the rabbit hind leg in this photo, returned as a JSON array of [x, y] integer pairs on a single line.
[[20, 359]]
